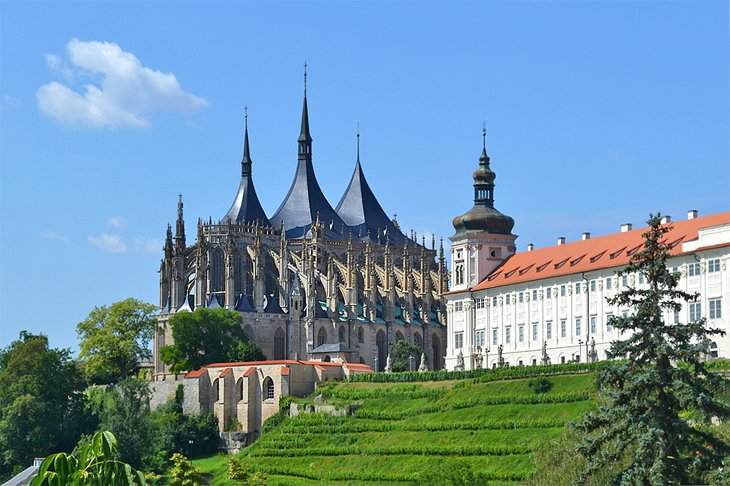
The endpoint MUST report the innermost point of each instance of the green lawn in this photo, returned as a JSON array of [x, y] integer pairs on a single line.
[[405, 431]]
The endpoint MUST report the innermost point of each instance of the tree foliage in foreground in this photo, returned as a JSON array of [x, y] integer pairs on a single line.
[[41, 402], [115, 339], [656, 413], [94, 464], [208, 336], [402, 351]]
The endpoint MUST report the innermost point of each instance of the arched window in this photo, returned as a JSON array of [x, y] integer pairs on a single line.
[[321, 336], [239, 390], [248, 331], [216, 390], [382, 349], [279, 344], [327, 359], [268, 389], [360, 335], [341, 334], [418, 340], [399, 336]]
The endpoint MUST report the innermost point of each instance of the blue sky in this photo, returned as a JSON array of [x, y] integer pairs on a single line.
[[597, 113]]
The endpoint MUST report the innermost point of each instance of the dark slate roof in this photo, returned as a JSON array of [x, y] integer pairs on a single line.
[[360, 209], [246, 207], [302, 204], [305, 199], [271, 304], [243, 305], [331, 348], [214, 303]]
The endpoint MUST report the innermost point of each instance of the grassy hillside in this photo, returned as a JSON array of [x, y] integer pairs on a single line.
[[412, 432]]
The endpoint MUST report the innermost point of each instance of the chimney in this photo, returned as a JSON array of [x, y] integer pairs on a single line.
[[692, 214], [666, 219], [561, 240], [626, 227], [530, 247], [586, 236]]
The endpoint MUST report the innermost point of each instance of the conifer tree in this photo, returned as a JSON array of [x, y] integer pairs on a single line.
[[659, 401]]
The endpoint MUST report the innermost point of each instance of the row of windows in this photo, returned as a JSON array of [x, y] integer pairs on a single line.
[[695, 314]]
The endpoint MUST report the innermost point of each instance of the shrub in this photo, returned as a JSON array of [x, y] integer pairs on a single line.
[[540, 384], [183, 473], [236, 469]]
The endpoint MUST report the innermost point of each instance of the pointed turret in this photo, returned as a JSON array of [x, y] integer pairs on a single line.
[[168, 242], [180, 228], [360, 208], [246, 207], [305, 198]]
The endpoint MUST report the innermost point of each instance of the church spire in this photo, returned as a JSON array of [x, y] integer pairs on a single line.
[[358, 143], [305, 139], [246, 161]]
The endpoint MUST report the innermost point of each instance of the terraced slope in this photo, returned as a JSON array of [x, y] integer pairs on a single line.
[[418, 432]]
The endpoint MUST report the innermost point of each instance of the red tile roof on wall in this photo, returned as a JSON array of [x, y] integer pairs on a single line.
[[284, 371], [284, 362], [608, 251], [225, 372]]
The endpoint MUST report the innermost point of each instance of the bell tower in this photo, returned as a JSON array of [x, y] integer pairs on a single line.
[[483, 238]]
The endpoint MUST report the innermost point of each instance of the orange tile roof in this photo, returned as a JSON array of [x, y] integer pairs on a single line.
[[284, 371], [225, 372], [614, 250], [196, 373], [249, 371]]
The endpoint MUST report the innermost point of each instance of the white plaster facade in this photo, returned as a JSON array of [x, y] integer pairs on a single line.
[[565, 312]]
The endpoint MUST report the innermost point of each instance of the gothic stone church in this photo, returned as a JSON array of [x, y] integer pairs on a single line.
[[311, 282]]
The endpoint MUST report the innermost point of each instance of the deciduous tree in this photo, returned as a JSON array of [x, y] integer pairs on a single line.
[[207, 336], [657, 400], [403, 350], [41, 401], [115, 339]]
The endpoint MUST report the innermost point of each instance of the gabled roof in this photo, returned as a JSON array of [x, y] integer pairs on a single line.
[[614, 250], [331, 348], [360, 209]]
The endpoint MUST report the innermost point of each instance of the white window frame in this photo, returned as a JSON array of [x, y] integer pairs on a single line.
[[695, 311], [479, 338], [458, 340], [714, 307], [563, 328]]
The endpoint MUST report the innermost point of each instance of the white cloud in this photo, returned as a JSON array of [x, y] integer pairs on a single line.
[[127, 92], [10, 101], [110, 243], [116, 222], [52, 235]]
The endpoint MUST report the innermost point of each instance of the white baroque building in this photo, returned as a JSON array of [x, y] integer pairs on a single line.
[[550, 305]]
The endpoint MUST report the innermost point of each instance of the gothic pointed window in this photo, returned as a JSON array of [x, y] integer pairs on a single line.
[[341, 334], [279, 344], [321, 336], [218, 271], [360, 335]]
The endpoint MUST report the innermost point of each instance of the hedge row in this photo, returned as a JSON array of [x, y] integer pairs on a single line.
[[354, 426], [372, 475], [413, 450], [482, 374], [408, 392]]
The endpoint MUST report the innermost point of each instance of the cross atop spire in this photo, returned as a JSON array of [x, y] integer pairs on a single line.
[[246, 161], [305, 79], [358, 142]]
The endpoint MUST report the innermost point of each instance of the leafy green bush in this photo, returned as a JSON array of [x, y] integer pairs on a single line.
[[183, 473], [540, 384], [237, 469]]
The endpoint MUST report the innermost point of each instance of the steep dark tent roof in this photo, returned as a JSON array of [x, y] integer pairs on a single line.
[[305, 199], [360, 209], [246, 207]]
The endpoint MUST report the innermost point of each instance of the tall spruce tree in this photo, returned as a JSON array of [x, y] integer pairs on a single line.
[[659, 401]]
